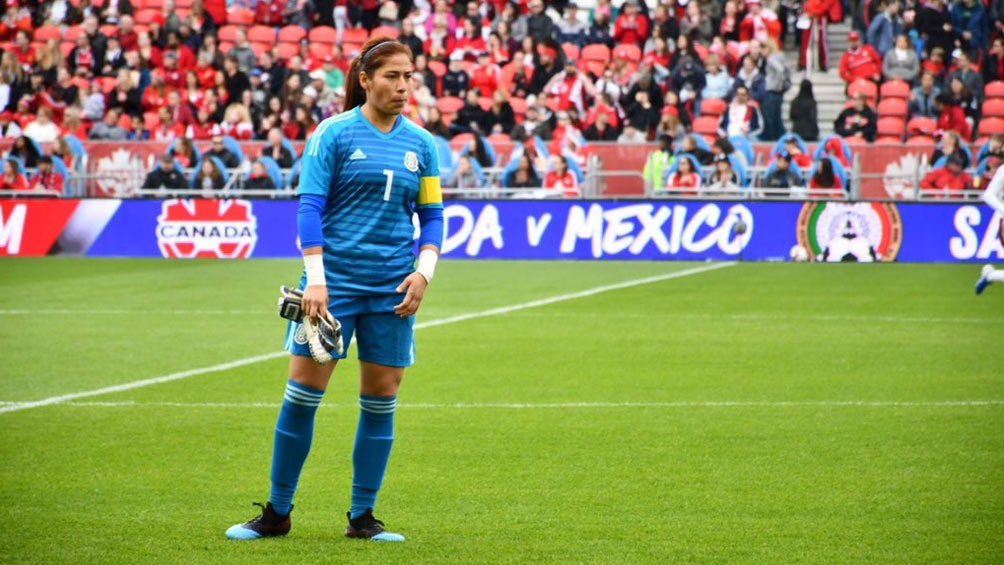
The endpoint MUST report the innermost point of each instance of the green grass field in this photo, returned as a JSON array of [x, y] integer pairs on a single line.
[[766, 413]]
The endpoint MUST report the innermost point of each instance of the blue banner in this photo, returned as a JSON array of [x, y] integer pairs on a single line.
[[530, 229]]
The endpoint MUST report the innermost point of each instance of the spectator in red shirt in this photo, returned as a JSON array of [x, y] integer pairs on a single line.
[[470, 43], [166, 129], [22, 50], [950, 179], [951, 117], [824, 182], [11, 179], [860, 61], [46, 178], [560, 180], [485, 75], [630, 26], [685, 180], [818, 11], [759, 23], [128, 37]]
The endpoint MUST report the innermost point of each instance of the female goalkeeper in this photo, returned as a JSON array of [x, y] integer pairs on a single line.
[[365, 173]]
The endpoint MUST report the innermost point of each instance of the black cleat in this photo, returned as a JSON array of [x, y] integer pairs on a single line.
[[365, 526], [268, 524]]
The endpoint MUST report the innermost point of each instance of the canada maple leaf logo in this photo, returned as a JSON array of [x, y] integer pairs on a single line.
[[120, 174], [224, 229], [899, 176]]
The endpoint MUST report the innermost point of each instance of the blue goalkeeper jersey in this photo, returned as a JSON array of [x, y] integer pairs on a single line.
[[372, 182]]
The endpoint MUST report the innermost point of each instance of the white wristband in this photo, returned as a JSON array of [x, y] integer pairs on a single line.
[[314, 265], [427, 260]]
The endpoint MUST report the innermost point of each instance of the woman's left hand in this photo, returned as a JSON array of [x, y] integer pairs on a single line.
[[414, 288]]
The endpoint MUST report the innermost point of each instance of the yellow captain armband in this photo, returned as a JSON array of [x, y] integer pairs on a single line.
[[429, 191]]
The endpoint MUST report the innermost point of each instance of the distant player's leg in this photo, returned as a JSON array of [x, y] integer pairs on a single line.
[[385, 345], [988, 275]]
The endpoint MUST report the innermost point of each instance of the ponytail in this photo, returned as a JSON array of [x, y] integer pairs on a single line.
[[354, 93], [371, 57]]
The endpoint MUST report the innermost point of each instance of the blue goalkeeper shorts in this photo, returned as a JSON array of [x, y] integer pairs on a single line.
[[382, 337]]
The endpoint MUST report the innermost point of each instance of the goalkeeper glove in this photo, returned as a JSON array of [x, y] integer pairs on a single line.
[[324, 333]]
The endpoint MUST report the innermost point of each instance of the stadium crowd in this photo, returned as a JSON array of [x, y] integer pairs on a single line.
[[700, 77]]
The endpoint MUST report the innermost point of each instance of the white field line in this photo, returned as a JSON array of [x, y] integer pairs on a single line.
[[5, 408], [121, 312], [768, 317], [574, 405]]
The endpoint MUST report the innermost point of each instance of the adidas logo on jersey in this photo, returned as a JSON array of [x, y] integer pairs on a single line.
[[357, 154]]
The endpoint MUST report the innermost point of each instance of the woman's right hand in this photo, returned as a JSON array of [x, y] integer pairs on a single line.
[[315, 300]]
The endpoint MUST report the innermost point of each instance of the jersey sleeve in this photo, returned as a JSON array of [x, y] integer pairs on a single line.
[[430, 193], [317, 163]]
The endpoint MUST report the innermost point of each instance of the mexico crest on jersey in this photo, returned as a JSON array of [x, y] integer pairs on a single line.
[[411, 161], [838, 231]]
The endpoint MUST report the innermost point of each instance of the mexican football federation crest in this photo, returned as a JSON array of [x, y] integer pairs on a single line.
[[411, 161], [838, 232]]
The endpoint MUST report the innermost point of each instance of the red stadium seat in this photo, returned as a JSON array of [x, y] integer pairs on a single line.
[[993, 107], [72, 32], [65, 48], [519, 107], [227, 33], [45, 33], [713, 107], [349, 35], [287, 50], [350, 50], [151, 121], [887, 140], [895, 89], [461, 139], [449, 104], [892, 107], [485, 102], [890, 127], [261, 34], [187, 4], [320, 50], [990, 126], [920, 140], [125, 122], [922, 126], [628, 52], [259, 47], [240, 17], [292, 34], [107, 84], [706, 125], [571, 51], [994, 89], [702, 51], [110, 30], [499, 138], [385, 31], [595, 52], [145, 17], [158, 4], [865, 86], [438, 69], [323, 34]]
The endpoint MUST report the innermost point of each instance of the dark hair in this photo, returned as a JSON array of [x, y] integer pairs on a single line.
[[371, 57], [725, 146], [824, 174]]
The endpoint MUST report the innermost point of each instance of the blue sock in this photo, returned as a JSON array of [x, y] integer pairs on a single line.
[[374, 437], [294, 431]]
